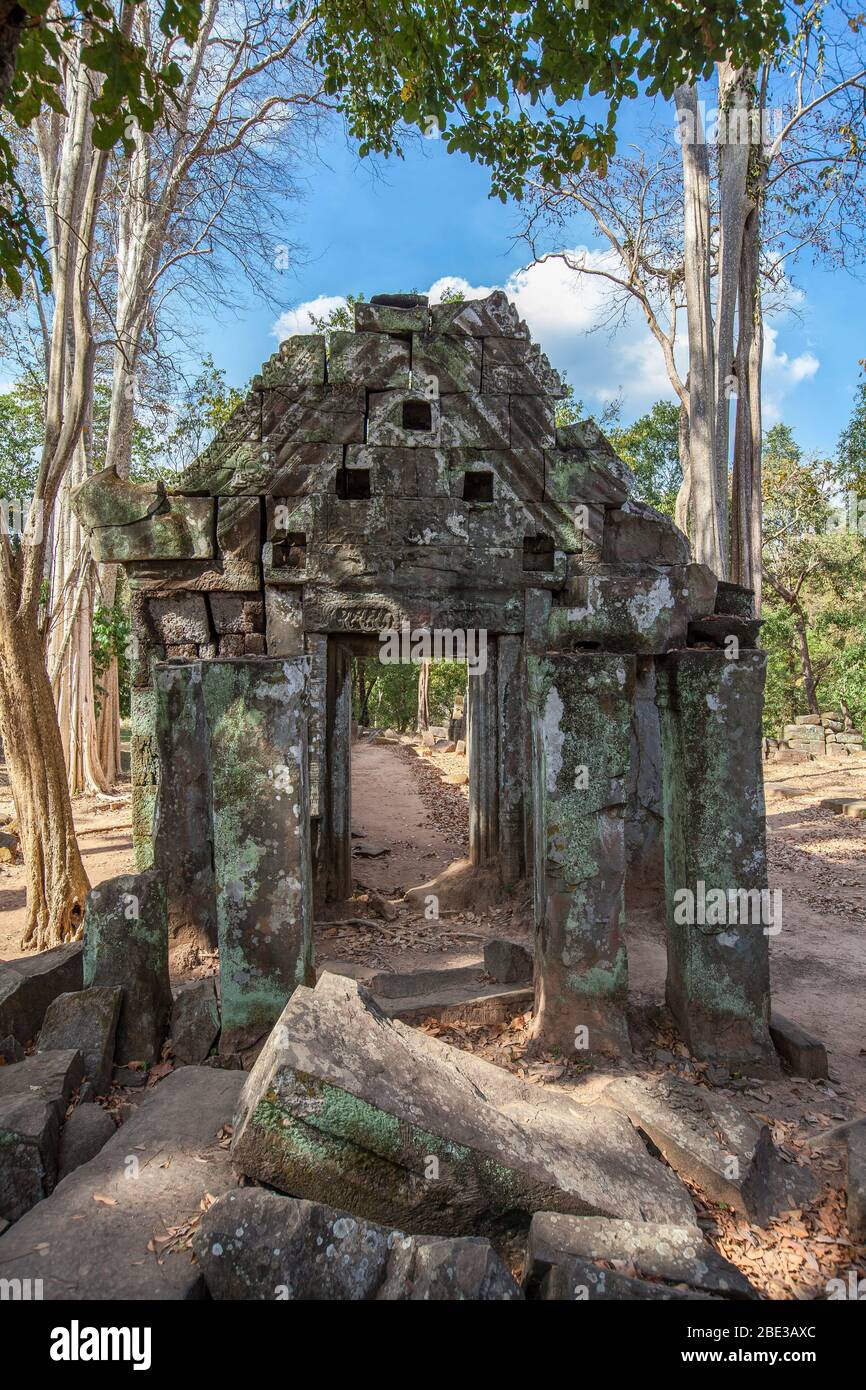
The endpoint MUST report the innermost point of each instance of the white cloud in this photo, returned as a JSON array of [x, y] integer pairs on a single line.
[[568, 314]]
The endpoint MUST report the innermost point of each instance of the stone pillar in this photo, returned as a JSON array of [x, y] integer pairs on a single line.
[[581, 705], [481, 725], [316, 646], [183, 829], [126, 944], [718, 985], [339, 764], [511, 751], [257, 723]]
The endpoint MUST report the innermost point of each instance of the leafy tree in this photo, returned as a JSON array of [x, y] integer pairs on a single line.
[[651, 449], [21, 437], [129, 91]]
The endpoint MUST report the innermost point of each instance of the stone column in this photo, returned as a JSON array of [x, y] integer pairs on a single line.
[[511, 751], [718, 986], [183, 828], [581, 705], [339, 765], [481, 723], [257, 722]]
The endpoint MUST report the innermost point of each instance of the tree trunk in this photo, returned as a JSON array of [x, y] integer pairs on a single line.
[[57, 885], [682, 509], [746, 511], [423, 690], [706, 511], [809, 681], [12, 21]]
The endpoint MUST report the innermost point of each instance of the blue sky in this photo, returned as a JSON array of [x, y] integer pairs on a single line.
[[413, 224]]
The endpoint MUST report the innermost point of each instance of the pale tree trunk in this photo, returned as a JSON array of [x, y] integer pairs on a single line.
[[56, 882], [423, 692], [682, 509], [706, 512], [735, 85], [70, 650], [746, 519]]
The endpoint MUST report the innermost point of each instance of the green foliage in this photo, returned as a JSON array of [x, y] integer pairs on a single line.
[[503, 83], [393, 692], [341, 319], [128, 91], [21, 435], [447, 679], [110, 638], [651, 449]]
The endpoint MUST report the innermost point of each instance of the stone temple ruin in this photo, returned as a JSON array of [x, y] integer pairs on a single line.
[[411, 473]]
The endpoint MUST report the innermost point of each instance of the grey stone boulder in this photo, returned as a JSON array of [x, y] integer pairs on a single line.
[[86, 1020], [856, 1139], [47, 1076], [713, 1143], [102, 1234], [672, 1254], [126, 944], [351, 1108], [11, 1050], [254, 1244], [578, 1281], [29, 1136], [195, 1022], [507, 961], [802, 1054], [86, 1131], [30, 983]]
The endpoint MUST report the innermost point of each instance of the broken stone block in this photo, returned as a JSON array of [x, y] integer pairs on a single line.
[[126, 944], [672, 1254], [581, 707], [257, 721], [532, 423], [579, 1281], [182, 529], [516, 366], [86, 1020], [300, 361], [345, 1104], [253, 1244], [575, 475], [636, 534], [332, 414], [710, 1141], [29, 1137], [802, 1054], [195, 1022], [723, 630], [493, 317], [720, 911], [105, 499], [405, 984], [28, 985], [856, 1142], [152, 1175], [47, 1076], [374, 360], [393, 313], [644, 611], [443, 362], [183, 828], [507, 961], [86, 1131]]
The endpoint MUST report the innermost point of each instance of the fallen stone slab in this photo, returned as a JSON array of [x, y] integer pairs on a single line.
[[29, 984], [647, 1249], [410, 983], [710, 1141], [507, 961], [86, 1020], [29, 1136], [489, 1004], [47, 1076], [195, 1022], [578, 1281], [11, 1050], [86, 1131], [856, 1139], [801, 1053], [348, 1107], [100, 1233], [254, 1244]]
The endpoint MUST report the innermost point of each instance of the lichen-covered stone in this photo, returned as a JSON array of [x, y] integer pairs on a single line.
[[494, 317], [581, 706], [331, 414], [718, 983], [374, 360], [403, 419], [258, 1245], [86, 1020], [346, 1104], [181, 529], [445, 362], [256, 719], [107, 500], [300, 361], [392, 314], [126, 944], [195, 1022], [475, 422]]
